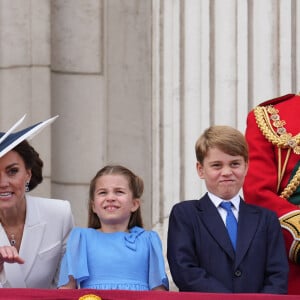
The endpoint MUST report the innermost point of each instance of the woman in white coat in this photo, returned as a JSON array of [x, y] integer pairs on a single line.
[[33, 230]]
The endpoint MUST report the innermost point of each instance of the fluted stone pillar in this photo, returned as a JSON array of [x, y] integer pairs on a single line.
[[78, 98], [25, 73], [101, 88], [136, 82], [128, 90], [213, 61]]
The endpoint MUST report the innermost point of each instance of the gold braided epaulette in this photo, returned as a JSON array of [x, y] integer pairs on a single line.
[[276, 133], [281, 138], [292, 186]]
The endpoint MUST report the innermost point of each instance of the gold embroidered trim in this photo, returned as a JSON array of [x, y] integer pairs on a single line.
[[292, 186], [294, 252], [291, 222], [280, 138]]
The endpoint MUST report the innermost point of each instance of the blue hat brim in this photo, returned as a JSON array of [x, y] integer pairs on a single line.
[[11, 140]]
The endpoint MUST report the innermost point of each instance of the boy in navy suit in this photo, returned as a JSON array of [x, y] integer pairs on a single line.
[[214, 248]]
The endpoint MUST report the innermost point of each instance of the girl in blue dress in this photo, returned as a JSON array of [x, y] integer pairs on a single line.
[[114, 252]]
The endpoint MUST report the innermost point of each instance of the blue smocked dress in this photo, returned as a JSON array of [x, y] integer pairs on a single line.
[[121, 260]]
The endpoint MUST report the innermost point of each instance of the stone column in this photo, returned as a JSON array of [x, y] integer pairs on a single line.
[[25, 73], [78, 97], [101, 88], [128, 72]]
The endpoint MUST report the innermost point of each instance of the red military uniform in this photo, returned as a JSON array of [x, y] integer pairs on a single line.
[[273, 179]]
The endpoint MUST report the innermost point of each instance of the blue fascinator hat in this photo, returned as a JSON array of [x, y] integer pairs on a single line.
[[10, 139]]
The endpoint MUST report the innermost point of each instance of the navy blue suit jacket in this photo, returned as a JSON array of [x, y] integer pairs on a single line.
[[201, 257]]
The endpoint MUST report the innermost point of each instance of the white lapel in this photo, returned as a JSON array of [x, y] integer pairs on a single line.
[[34, 228], [33, 234]]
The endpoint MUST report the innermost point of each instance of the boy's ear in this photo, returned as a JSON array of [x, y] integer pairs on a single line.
[[199, 168], [247, 167]]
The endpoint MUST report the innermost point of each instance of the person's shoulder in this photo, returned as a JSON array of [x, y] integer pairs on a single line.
[[138, 231], [80, 236], [186, 209], [150, 235], [80, 231], [49, 205], [186, 203], [278, 100], [43, 201], [257, 112], [261, 209]]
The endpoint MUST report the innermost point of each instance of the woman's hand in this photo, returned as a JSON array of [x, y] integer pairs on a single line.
[[9, 254]]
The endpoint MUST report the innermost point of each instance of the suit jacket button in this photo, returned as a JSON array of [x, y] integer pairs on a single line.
[[237, 273]]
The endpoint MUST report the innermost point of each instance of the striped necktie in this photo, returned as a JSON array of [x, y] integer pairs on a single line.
[[231, 222]]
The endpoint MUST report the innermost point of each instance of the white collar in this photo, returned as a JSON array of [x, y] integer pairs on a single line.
[[217, 200]]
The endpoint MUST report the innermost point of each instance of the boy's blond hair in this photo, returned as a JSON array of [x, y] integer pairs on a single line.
[[225, 138]]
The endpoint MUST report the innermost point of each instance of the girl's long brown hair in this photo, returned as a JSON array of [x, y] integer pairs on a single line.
[[136, 185]]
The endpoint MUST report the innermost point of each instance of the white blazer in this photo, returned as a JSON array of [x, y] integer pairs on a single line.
[[47, 226]]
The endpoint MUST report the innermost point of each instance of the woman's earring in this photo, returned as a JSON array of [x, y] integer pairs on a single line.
[[27, 186]]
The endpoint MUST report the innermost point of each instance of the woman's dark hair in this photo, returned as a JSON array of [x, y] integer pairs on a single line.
[[136, 185], [32, 162]]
